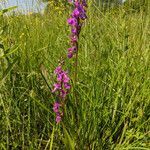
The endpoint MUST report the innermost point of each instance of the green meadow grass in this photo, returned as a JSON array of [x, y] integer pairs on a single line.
[[113, 88]]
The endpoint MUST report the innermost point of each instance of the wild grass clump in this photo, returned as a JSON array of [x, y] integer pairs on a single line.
[[112, 88]]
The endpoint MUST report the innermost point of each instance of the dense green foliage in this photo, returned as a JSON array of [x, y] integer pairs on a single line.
[[138, 5], [113, 109]]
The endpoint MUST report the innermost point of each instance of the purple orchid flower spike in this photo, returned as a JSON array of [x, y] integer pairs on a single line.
[[78, 14], [62, 88], [62, 85]]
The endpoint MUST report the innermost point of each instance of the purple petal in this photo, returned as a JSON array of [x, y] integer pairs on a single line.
[[67, 86], [56, 107], [72, 21], [57, 86], [58, 70], [70, 55], [58, 118]]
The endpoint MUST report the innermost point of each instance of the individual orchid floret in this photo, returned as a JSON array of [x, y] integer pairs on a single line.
[[58, 118], [73, 39], [74, 31], [56, 107], [75, 13], [84, 3], [57, 86], [72, 21]]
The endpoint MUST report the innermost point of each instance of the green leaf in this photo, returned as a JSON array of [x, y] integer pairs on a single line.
[[52, 138], [42, 105], [11, 65], [1, 46], [9, 51], [7, 10], [68, 140]]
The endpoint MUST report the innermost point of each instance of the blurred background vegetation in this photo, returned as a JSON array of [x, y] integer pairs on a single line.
[[135, 5]]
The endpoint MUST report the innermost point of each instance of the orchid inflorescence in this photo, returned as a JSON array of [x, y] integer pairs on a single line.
[[75, 21], [62, 85]]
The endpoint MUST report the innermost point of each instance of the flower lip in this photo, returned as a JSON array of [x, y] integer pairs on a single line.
[[72, 21]]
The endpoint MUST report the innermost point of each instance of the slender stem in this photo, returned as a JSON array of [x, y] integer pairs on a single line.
[[75, 82], [76, 65], [76, 73]]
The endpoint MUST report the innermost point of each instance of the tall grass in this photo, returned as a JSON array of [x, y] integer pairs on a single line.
[[113, 82]]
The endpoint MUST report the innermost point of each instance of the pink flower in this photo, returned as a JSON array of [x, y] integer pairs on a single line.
[[60, 77], [63, 94], [56, 107], [67, 86], [78, 14], [62, 86], [74, 38], [75, 13], [70, 55], [74, 31], [58, 118], [72, 21], [57, 86], [58, 70], [65, 78], [72, 49]]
